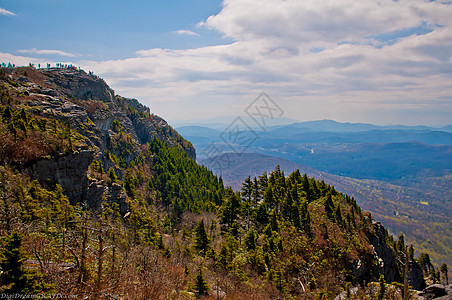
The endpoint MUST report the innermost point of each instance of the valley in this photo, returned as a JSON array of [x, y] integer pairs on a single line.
[[401, 174]]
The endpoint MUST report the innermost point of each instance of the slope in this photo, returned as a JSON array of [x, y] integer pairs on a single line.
[[413, 210], [115, 211]]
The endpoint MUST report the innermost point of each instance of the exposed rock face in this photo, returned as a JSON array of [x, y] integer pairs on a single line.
[[159, 128], [388, 260], [69, 171], [90, 106], [116, 194], [141, 125], [388, 265], [437, 291], [416, 277], [343, 296], [80, 85], [112, 193]]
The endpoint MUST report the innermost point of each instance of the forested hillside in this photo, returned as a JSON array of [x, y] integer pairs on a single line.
[[101, 199], [401, 174]]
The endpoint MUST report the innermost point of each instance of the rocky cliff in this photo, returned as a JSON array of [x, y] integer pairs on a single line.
[[390, 266], [85, 121]]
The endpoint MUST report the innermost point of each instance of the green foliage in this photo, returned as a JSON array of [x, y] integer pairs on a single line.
[[14, 277], [25, 137], [250, 240], [201, 239], [443, 269], [425, 263], [229, 211], [116, 126], [200, 285], [179, 179], [278, 231], [112, 175], [129, 183], [329, 206]]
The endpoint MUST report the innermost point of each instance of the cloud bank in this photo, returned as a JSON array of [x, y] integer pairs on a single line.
[[374, 61]]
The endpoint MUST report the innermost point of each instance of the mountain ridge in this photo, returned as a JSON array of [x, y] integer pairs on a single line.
[[115, 191]]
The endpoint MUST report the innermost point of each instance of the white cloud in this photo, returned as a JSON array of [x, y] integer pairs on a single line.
[[5, 12], [186, 32], [347, 76], [46, 52]]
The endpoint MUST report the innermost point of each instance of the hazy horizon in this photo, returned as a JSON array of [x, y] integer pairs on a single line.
[[224, 120]]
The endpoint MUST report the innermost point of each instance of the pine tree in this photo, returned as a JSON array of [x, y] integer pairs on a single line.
[[112, 175], [201, 238], [256, 193], [329, 206], [443, 269], [424, 262], [246, 194], [250, 239], [229, 210], [223, 256], [247, 189], [338, 215], [305, 218], [14, 277], [200, 286]]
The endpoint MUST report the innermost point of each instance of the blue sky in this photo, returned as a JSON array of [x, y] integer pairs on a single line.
[[383, 62], [103, 29]]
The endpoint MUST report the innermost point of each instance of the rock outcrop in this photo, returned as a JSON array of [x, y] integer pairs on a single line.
[[105, 123], [436, 291], [69, 171], [385, 254], [80, 85], [388, 265]]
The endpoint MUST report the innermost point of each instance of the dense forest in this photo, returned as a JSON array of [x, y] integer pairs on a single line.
[[144, 221]]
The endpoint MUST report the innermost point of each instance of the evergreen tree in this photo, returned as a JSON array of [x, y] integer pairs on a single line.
[[247, 190], [263, 181], [14, 277], [443, 269], [129, 183], [250, 239], [246, 195], [329, 206], [223, 256], [201, 238], [256, 193], [200, 286], [112, 175], [305, 218], [230, 209], [307, 188], [425, 263], [261, 216], [338, 215]]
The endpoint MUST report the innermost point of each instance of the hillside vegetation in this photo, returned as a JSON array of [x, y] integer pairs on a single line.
[[401, 174], [101, 199]]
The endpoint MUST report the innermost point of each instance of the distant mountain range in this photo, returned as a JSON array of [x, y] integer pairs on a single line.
[[362, 151], [317, 125]]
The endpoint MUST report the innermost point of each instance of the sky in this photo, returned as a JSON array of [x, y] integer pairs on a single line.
[[382, 62]]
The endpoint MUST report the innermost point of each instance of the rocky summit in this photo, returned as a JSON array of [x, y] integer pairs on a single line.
[[103, 127]]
